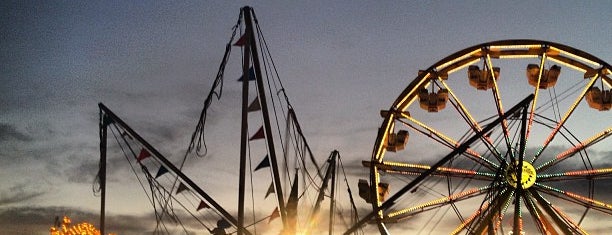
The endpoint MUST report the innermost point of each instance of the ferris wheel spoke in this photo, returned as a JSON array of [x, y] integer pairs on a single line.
[[417, 169], [499, 105], [579, 147], [536, 93], [581, 174], [574, 225], [447, 141], [439, 202], [563, 221], [470, 219], [578, 199], [518, 217], [495, 210], [540, 220], [564, 119], [472, 122]]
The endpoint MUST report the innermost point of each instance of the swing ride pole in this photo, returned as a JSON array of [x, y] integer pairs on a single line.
[[227, 216], [332, 197], [102, 170], [264, 111], [314, 215], [244, 128]]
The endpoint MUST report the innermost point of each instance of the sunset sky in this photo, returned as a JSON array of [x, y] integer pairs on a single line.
[[153, 63]]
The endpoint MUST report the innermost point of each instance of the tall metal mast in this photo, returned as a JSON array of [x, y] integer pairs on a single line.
[[330, 172], [102, 171], [333, 192], [246, 60], [251, 41]]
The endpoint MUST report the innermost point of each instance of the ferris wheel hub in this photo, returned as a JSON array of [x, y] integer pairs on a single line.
[[528, 175]]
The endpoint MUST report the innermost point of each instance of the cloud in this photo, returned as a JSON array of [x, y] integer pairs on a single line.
[[38, 220], [9, 132], [17, 194]]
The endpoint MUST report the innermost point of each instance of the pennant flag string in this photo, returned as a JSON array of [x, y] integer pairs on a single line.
[[270, 190], [241, 41], [223, 224], [181, 188], [202, 205], [251, 75], [263, 164], [162, 170], [143, 154], [275, 214], [258, 135], [254, 106]]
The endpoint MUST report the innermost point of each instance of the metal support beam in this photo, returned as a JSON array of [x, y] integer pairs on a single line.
[[108, 113], [244, 128], [315, 210], [459, 150], [104, 121], [266, 116]]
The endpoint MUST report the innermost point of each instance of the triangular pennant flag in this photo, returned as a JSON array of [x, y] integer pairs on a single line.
[[258, 135], [264, 163], [275, 214], [251, 75], [162, 170], [222, 223], [181, 188], [241, 41], [254, 106], [270, 190], [202, 205], [143, 154]]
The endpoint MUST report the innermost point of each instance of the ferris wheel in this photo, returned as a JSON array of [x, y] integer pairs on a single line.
[[505, 137]]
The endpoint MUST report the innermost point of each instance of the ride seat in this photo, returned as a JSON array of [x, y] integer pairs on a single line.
[[549, 77], [598, 99], [433, 102], [481, 79]]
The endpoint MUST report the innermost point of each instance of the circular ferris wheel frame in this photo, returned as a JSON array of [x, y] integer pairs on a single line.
[[503, 173]]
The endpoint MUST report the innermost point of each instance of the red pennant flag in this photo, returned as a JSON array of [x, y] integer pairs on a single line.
[[241, 41], [275, 214], [202, 205], [181, 188], [143, 154], [270, 190], [258, 135], [254, 106]]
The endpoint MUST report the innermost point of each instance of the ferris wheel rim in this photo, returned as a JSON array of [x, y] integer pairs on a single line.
[[409, 93], [510, 42]]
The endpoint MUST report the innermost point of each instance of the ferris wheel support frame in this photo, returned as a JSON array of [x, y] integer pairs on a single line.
[[524, 104], [593, 69]]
